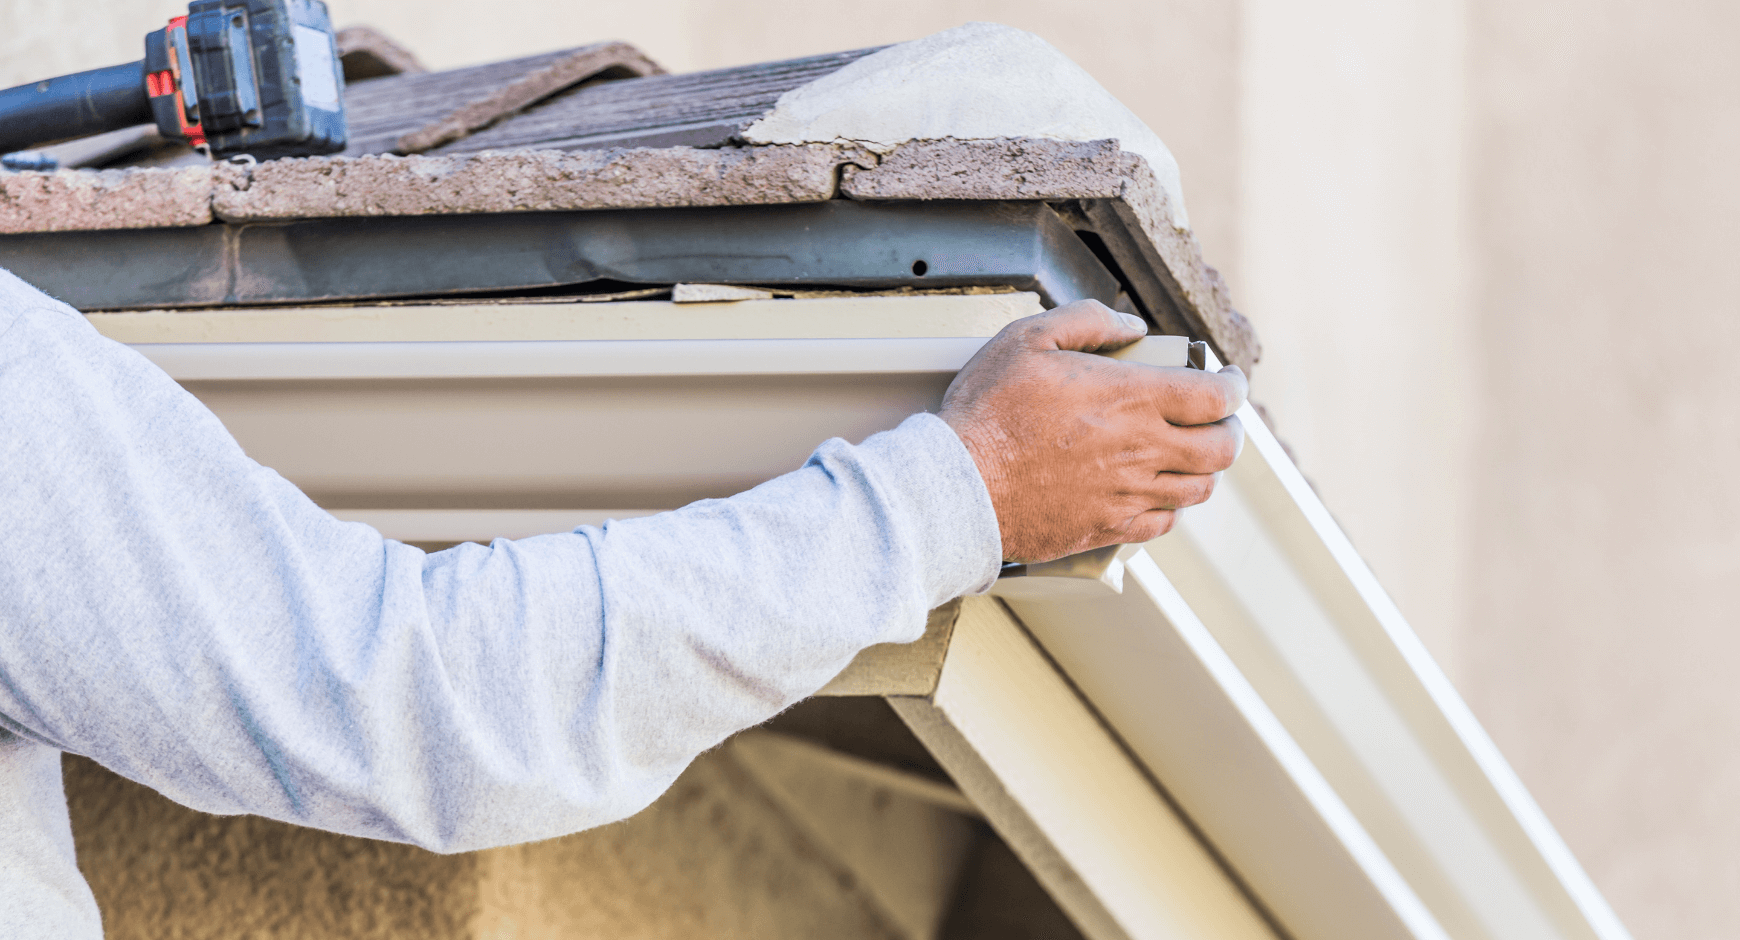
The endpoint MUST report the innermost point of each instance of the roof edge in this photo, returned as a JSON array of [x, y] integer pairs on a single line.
[[89, 200], [1119, 186], [530, 181]]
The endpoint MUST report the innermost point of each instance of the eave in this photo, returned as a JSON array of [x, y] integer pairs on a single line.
[[137, 227]]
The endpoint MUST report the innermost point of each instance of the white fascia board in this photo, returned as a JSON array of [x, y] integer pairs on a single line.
[[857, 316]]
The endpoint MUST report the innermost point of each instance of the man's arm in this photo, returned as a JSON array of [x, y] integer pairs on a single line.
[[192, 621]]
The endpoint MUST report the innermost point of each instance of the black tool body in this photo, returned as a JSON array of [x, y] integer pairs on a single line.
[[255, 77]]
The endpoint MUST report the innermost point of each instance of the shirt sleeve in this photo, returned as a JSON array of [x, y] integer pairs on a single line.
[[192, 621]]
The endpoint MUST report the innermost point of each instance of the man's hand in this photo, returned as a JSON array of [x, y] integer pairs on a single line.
[[1080, 450]]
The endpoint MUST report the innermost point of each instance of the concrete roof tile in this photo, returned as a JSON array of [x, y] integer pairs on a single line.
[[530, 181], [82, 200]]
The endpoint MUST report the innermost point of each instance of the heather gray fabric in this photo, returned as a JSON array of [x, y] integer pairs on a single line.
[[190, 620]]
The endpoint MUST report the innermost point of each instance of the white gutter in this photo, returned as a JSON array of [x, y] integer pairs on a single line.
[[1251, 662], [1254, 664], [207, 362]]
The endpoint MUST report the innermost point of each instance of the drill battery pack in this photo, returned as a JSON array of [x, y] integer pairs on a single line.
[[257, 77]]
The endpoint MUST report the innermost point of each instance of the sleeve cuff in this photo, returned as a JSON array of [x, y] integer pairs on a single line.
[[934, 483]]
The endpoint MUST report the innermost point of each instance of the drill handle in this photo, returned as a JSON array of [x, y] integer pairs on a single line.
[[76, 105]]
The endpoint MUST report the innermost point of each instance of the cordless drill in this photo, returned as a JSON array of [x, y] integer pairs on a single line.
[[255, 77]]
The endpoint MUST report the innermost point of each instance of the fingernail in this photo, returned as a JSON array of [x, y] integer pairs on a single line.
[[1134, 322]]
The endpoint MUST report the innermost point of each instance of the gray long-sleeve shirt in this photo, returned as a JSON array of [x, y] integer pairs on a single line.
[[190, 620]]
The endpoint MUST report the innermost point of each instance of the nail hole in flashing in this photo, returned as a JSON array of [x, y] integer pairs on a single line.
[[919, 267]]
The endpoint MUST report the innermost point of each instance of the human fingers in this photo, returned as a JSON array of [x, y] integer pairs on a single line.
[[1146, 526], [1201, 448], [1241, 383], [1086, 325], [1168, 491], [1188, 397]]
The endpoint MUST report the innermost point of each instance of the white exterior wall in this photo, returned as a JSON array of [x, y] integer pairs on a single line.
[[1488, 248]]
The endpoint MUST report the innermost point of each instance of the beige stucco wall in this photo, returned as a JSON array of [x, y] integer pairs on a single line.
[[1600, 646], [719, 855], [1350, 228], [1488, 247]]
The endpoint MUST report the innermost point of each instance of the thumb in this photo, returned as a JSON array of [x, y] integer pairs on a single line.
[[1086, 325]]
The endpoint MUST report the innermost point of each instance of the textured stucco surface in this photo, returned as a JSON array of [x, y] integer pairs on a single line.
[[907, 854], [1601, 645], [161, 870], [76, 200], [716, 856]]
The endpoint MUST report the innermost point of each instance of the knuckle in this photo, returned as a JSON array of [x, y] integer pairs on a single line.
[[1226, 450], [1155, 525], [1187, 401], [1031, 328], [1214, 401], [1189, 490], [1234, 388]]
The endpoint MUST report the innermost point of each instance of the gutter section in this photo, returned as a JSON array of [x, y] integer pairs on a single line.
[[1249, 662]]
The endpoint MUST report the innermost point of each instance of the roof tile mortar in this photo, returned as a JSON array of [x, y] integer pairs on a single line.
[[979, 81], [1010, 168], [532, 180], [82, 200]]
